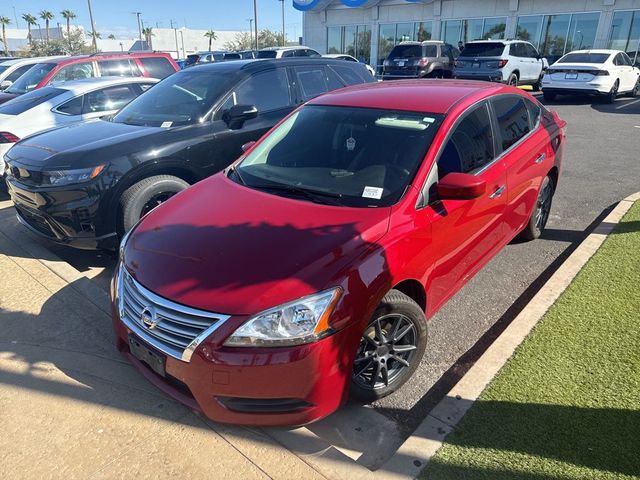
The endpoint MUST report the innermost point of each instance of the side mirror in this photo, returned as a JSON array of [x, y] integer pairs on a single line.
[[5, 84], [238, 114], [460, 186], [248, 145]]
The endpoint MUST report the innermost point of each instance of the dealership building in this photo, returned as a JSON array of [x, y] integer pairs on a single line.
[[368, 29]]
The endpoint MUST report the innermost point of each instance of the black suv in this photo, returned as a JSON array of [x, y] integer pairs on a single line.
[[85, 185]]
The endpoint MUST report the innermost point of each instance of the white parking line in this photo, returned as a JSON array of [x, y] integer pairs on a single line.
[[627, 104]]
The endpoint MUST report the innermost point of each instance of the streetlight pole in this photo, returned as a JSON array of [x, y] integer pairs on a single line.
[[255, 18], [137, 14], [184, 53], [15, 15], [175, 32], [284, 38], [250, 20], [94, 42]]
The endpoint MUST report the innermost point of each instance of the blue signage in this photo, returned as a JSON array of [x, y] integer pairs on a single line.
[[307, 5]]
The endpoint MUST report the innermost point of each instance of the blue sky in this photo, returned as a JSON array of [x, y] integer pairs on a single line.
[[114, 16]]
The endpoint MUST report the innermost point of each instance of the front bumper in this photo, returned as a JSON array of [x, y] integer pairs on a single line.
[[65, 215], [252, 386]]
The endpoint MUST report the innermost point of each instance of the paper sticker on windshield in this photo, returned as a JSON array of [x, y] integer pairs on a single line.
[[351, 144], [166, 124], [372, 192]]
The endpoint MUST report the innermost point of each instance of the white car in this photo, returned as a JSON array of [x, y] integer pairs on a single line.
[[608, 73], [349, 58], [63, 103], [286, 52], [11, 70]]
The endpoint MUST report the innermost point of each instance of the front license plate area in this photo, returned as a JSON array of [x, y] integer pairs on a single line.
[[571, 76], [156, 361], [475, 65]]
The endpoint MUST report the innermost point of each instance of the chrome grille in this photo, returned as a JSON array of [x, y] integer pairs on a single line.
[[172, 328]]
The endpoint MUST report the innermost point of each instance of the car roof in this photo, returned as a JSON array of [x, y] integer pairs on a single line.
[[598, 51], [104, 56], [293, 47], [87, 84], [432, 96], [425, 42], [34, 60], [250, 64]]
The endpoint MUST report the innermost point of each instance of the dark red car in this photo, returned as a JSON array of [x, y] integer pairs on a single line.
[[61, 69], [306, 272]]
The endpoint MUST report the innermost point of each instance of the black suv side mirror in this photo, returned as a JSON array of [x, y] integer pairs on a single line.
[[238, 114]]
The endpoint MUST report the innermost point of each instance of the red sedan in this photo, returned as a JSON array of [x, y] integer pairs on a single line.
[[307, 271]]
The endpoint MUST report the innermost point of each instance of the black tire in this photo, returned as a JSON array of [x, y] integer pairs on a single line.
[[536, 86], [613, 93], [391, 348], [540, 214], [142, 197], [550, 97], [633, 93], [513, 80]]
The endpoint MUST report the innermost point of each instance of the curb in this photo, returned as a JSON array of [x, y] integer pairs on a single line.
[[418, 450]]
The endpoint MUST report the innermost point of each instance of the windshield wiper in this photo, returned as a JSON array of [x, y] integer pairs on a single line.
[[310, 193], [233, 169]]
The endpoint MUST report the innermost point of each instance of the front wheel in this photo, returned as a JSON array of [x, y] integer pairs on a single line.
[[142, 197], [613, 93], [540, 214], [390, 349]]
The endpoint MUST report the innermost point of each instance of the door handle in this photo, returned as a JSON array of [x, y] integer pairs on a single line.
[[540, 158], [498, 191]]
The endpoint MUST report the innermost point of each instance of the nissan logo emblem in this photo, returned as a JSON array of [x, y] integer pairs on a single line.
[[149, 317]]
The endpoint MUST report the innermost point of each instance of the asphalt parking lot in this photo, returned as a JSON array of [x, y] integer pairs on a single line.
[[601, 167]]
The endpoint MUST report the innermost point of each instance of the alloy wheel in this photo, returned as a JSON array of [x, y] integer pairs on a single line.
[[154, 201], [543, 207], [386, 349]]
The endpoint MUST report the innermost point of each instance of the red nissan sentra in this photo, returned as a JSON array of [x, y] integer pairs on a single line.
[[305, 273]]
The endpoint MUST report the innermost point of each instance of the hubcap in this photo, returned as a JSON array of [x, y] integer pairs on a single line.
[[386, 349], [544, 206], [155, 201]]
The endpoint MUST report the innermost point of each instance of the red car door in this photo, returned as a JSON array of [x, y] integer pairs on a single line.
[[527, 155], [466, 233]]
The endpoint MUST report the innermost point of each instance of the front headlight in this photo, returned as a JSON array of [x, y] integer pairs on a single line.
[[301, 321], [67, 177]]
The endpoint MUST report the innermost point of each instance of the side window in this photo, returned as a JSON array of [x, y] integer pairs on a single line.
[[513, 119], [534, 113], [626, 59], [72, 107], [312, 81], [515, 50], [531, 50], [348, 74], [117, 68], [266, 90], [157, 67], [17, 73], [76, 71], [618, 60], [303, 52], [288, 53], [112, 98], [470, 146]]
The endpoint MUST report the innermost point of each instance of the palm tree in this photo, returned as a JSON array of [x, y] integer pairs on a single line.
[[68, 15], [4, 21], [211, 35], [47, 16], [31, 20], [111, 36], [148, 33]]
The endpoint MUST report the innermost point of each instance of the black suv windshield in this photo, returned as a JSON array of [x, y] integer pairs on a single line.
[[356, 157], [484, 49], [406, 51], [584, 58], [181, 99], [31, 78]]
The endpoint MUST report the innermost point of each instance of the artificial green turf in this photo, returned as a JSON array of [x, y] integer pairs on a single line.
[[567, 405]]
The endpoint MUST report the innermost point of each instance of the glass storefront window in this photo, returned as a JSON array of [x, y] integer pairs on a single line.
[[334, 39], [473, 29], [625, 33], [554, 36], [363, 44], [354, 40], [404, 32], [393, 33], [386, 42], [422, 31], [350, 40], [452, 31], [494, 28], [582, 31], [529, 29]]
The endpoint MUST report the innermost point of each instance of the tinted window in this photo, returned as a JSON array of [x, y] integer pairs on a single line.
[[430, 51], [513, 119], [72, 107], [30, 80], [112, 98], [76, 71], [517, 50], [406, 51], [18, 72], [470, 146], [531, 51], [348, 75], [485, 49], [232, 56], [118, 68], [534, 113], [312, 81], [584, 58], [289, 53], [267, 91], [157, 67], [267, 54], [29, 100], [192, 59]]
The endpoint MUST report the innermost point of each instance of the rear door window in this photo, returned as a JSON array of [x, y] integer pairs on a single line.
[[349, 75], [513, 119], [72, 107], [118, 68], [157, 67], [75, 71], [105, 99], [430, 51], [534, 113], [470, 147], [312, 81], [484, 49], [267, 91]]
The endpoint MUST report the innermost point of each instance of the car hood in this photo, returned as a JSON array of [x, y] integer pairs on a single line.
[[80, 144], [226, 248]]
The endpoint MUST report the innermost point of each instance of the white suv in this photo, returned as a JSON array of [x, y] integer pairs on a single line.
[[513, 62]]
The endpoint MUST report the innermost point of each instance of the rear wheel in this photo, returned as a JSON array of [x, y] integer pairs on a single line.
[[391, 348], [540, 214], [636, 89], [549, 96], [513, 80], [613, 93], [142, 197], [536, 86]]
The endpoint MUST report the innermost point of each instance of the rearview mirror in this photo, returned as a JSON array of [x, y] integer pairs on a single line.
[[238, 114], [248, 145], [461, 186], [5, 84]]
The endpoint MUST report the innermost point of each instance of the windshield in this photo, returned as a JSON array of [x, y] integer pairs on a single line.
[[406, 51], [31, 78], [484, 49], [584, 58], [267, 54], [22, 103], [181, 99], [357, 157]]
